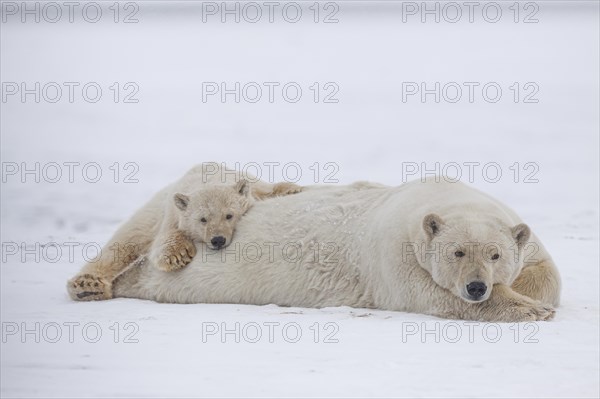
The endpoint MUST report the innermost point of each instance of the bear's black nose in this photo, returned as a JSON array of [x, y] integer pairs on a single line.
[[218, 241], [476, 289]]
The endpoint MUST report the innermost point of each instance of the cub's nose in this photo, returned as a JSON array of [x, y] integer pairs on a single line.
[[218, 242], [476, 289]]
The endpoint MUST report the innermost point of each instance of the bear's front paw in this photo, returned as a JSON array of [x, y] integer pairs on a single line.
[[508, 306], [88, 287], [286, 188], [534, 311], [177, 252]]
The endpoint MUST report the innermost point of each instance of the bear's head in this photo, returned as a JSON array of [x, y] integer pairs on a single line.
[[467, 257], [211, 213]]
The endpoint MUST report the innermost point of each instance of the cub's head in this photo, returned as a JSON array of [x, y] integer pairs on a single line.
[[469, 257], [211, 213]]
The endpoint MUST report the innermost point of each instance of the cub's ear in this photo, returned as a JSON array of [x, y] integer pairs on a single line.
[[521, 234], [242, 187], [181, 201], [432, 224]]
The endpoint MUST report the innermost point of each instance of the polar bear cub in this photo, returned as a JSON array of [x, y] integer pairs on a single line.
[[203, 206], [207, 215]]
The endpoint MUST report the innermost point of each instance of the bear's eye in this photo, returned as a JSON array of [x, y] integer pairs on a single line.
[[228, 216], [459, 254], [495, 256], [203, 220]]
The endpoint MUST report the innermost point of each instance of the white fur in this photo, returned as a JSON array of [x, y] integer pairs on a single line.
[[368, 225], [165, 232]]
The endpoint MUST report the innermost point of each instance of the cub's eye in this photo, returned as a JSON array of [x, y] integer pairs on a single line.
[[495, 256], [228, 216], [459, 254], [203, 220]]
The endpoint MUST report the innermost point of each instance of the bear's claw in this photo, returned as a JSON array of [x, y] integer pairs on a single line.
[[531, 312], [177, 253], [285, 188], [88, 287]]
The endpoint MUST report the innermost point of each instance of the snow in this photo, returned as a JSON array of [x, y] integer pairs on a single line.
[[367, 135]]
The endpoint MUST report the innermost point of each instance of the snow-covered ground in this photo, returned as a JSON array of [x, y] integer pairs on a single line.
[[371, 57]]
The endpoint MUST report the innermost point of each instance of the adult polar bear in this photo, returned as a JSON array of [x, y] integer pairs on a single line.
[[383, 239]]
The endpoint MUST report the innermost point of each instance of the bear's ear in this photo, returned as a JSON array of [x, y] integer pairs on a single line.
[[432, 224], [521, 234], [242, 187], [181, 201]]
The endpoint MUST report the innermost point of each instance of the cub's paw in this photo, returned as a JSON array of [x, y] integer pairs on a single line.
[[286, 188], [88, 287], [176, 253]]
